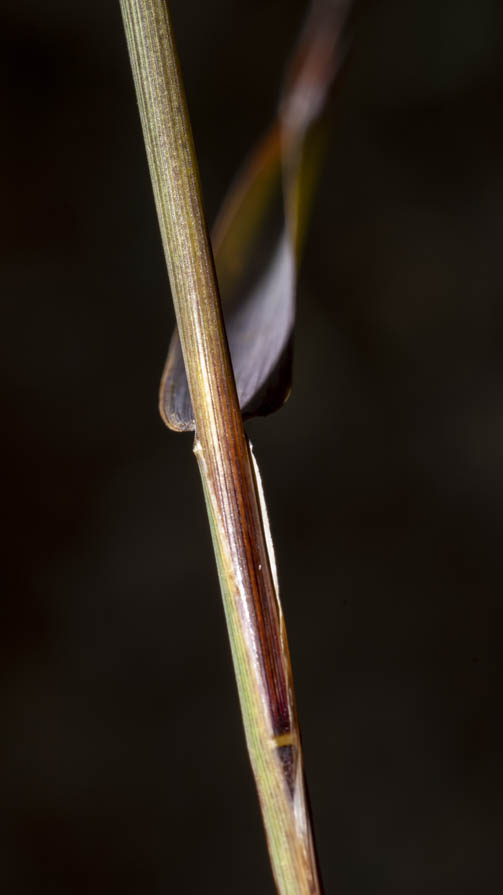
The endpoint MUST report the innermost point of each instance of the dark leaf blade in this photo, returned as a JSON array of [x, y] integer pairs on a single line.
[[259, 232], [241, 238]]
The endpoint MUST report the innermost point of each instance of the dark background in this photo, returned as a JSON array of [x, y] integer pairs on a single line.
[[123, 767]]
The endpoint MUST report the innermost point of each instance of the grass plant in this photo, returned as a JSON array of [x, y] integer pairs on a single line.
[[199, 388]]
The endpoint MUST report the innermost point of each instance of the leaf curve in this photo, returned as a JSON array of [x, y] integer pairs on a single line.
[[258, 235]]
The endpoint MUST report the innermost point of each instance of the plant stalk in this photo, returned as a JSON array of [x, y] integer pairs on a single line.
[[230, 478]]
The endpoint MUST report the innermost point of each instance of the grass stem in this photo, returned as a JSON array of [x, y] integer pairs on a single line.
[[230, 478]]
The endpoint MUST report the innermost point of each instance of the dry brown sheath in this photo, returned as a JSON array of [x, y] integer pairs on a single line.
[[230, 478]]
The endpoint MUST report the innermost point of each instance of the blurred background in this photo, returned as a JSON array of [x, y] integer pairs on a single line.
[[122, 762]]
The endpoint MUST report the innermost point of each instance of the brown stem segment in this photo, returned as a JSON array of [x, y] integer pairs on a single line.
[[230, 477]]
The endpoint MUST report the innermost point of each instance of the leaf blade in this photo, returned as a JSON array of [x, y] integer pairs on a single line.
[[260, 320]]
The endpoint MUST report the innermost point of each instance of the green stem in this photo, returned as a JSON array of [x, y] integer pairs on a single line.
[[230, 479]]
